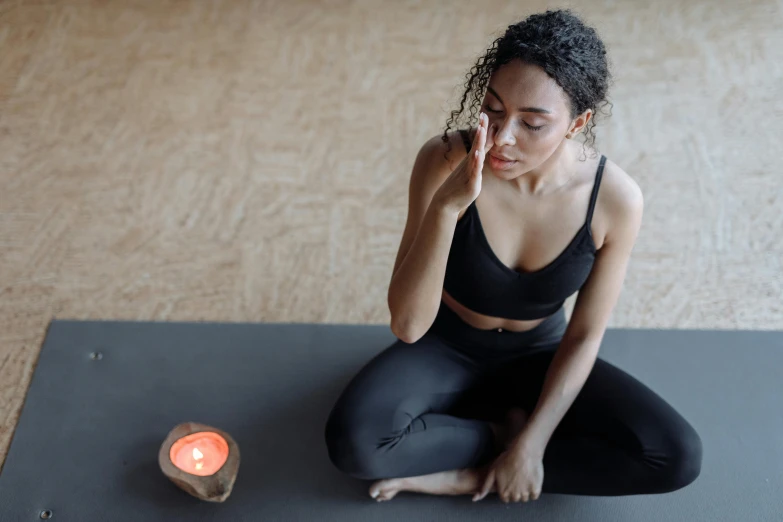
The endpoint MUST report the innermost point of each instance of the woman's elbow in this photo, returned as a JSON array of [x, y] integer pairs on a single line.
[[405, 332], [407, 323]]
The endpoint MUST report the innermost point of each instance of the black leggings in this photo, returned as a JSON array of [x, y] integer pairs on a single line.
[[425, 407]]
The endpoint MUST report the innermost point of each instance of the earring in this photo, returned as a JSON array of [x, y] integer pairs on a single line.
[[569, 136]]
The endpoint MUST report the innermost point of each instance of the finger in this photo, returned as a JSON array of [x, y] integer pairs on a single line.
[[517, 497], [479, 494], [477, 162], [482, 136], [482, 119], [491, 131], [482, 125], [486, 487], [488, 483], [477, 156], [477, 168], [525, 497], [535, 495]]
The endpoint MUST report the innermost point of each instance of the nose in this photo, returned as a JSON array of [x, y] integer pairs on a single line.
[[504, 133]]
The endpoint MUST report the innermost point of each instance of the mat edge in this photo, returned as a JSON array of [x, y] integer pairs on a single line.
[[108, 321]]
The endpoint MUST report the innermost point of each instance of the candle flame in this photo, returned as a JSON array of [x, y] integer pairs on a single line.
[[197, 455]]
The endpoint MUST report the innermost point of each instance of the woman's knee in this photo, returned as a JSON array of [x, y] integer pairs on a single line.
[[351, 451], [684, 458]]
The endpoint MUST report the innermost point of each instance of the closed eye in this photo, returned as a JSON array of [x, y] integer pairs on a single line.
[[531, 127]]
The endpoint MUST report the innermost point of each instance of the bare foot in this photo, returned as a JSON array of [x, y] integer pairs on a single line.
[[455, 482]]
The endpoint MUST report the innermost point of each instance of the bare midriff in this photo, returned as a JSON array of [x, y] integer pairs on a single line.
[[486, 322]]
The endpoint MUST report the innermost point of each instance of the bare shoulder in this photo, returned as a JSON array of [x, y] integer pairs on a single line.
[[435, 160], [619, 192], [620, 204]]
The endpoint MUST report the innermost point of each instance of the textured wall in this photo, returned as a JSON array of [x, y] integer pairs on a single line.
[[248, 160]]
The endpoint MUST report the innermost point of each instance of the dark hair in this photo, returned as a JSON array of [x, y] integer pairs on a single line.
[[560, 43]]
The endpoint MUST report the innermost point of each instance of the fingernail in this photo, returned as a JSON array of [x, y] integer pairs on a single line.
[[374, 495]]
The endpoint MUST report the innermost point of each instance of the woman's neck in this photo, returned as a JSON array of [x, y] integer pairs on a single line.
[[556, 172]]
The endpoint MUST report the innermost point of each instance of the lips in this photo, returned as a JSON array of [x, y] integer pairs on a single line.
[[500, 164], [501, 158]]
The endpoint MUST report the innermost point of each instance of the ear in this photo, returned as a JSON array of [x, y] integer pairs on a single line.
[[579, 123]]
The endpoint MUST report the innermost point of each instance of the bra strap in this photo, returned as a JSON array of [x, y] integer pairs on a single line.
[[596, 186]]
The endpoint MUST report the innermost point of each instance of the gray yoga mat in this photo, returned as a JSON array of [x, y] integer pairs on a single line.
[[87, 442]]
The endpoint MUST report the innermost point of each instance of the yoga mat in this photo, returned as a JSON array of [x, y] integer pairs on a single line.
[[87, 441]]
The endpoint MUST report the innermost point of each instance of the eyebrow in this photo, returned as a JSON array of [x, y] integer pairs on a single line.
[[538, 110]]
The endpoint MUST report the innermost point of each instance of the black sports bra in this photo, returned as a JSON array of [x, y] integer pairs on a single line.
[[481, 282]]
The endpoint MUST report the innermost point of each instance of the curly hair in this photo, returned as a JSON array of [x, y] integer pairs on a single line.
[[561, 44]]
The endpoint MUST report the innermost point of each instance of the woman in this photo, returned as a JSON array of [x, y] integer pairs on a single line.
[[489, 388]]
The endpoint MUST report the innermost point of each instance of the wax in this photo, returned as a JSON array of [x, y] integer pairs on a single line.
[[202, 453]]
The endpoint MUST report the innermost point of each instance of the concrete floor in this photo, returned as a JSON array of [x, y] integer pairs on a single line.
[[248, 160]]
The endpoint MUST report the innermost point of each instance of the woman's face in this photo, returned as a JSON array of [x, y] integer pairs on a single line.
[[531, 115]]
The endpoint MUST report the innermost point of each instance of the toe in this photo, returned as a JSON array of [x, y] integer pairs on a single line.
[[383, 490]]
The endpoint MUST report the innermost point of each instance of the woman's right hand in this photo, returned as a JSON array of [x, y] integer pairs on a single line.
[[463, 185]]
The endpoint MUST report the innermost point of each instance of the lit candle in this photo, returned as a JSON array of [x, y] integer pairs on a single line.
[[202, 453], [201, 460]]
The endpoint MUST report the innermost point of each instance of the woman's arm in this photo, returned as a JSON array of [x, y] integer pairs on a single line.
[[416, 287], [439, 193], [419, 270], [578, 349]]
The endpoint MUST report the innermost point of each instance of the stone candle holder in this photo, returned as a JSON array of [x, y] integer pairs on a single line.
[[201, 460]]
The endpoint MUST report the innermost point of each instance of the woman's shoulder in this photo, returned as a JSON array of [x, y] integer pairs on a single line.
[[446, 152], [620, 201], [620, 192], [437, 158]]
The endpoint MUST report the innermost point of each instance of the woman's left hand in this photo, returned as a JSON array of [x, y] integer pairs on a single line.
[[517, 475]]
